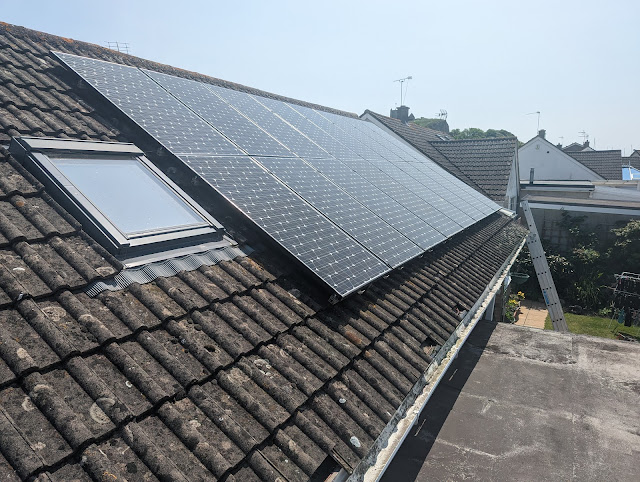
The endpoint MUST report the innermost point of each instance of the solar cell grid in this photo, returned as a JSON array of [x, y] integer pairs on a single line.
[[151, 107], [234, 126], [271, 123], [379, 202], [344, 210], [328, 251]]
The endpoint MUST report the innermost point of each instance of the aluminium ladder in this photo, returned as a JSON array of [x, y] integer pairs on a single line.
[[541, 266]]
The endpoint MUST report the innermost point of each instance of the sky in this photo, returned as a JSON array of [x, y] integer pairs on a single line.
[[487, 63]]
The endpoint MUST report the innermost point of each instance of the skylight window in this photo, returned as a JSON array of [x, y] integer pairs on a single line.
[[118, 195]]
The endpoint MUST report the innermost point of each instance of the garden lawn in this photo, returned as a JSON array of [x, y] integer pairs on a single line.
[[594, 326]]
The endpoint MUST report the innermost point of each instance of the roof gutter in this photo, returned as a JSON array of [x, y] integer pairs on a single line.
[[375, 463]]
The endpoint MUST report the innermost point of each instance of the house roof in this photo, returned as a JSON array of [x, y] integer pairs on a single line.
[[607, 164], [574, 147], [484, 164], [238, 370], [487, 162]]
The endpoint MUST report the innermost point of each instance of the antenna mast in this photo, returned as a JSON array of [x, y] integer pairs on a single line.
[[584, 136], [402, 81], [122, 47], [536, 112]]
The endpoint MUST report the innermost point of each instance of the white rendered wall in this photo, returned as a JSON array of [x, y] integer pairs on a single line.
[[551, 164]]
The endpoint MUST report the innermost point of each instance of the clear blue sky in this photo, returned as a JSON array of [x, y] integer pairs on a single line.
[[487, 63]]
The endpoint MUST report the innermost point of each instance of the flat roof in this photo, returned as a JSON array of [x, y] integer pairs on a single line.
[[521, 403]]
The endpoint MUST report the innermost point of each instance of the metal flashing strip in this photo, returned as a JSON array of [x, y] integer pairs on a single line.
[[624, 210], [168, 267], [375, 463]]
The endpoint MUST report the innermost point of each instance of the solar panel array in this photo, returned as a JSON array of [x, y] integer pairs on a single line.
[[347, 199]]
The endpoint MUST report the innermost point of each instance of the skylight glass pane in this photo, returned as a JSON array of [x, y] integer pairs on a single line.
[[128, 194]]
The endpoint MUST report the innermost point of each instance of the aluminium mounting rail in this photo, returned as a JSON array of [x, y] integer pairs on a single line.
[[541, 266]]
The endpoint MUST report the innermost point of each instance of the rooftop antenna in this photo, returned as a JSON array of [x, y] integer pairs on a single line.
[[536, 112], [402, 81], [584, 135], [442, 114], [122, 47]]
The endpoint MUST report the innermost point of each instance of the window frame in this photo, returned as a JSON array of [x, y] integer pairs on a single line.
[[37, 154]]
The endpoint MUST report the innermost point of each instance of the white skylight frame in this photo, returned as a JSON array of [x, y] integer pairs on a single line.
[[39, 156]]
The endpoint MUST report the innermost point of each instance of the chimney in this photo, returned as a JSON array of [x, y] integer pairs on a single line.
[[542, 133], [586, 143], [402, 114], [531, 176]]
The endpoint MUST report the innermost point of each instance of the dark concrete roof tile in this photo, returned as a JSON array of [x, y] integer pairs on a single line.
[[87, 412], [114, 458], [252, 397], [14, 179], [274, 384], [203, 286], [101, 377], [365, 392], [156, 301], [46, 326], [181, 293], [162, 451], [317, 359], [23, 444], [215, 396], [355, 408], [222, 280], [21, 347], [234, 343], [52, 404], [204, 348], [289, 367], [260, 314]]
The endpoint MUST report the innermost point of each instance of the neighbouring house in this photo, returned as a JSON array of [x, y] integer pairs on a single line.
[[576, 146], [580, 183], [204, 281], [490, 166]]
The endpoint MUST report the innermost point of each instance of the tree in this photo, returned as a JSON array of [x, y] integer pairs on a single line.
[[584, 270], [475, 133], [436, 124]]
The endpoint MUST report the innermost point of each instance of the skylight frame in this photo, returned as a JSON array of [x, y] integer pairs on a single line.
[[39, 154]]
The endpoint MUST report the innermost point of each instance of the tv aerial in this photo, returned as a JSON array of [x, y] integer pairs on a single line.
[[402, 81], [442, 114], [538, 114]]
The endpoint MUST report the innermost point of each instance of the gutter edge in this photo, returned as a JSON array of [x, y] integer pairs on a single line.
[[375, 463]]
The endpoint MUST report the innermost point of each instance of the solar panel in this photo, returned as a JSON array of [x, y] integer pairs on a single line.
[[345, 211], [377, 200], [267, 120], [347, 199], [218, 113], [334, 256], [173, 124]]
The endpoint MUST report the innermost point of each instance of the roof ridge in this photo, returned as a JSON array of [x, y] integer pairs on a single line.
[[37, 36]]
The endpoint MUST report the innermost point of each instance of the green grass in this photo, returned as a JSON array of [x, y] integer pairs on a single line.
[[594, 326]]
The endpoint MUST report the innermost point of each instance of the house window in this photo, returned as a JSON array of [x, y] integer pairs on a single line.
[[118, 195]]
